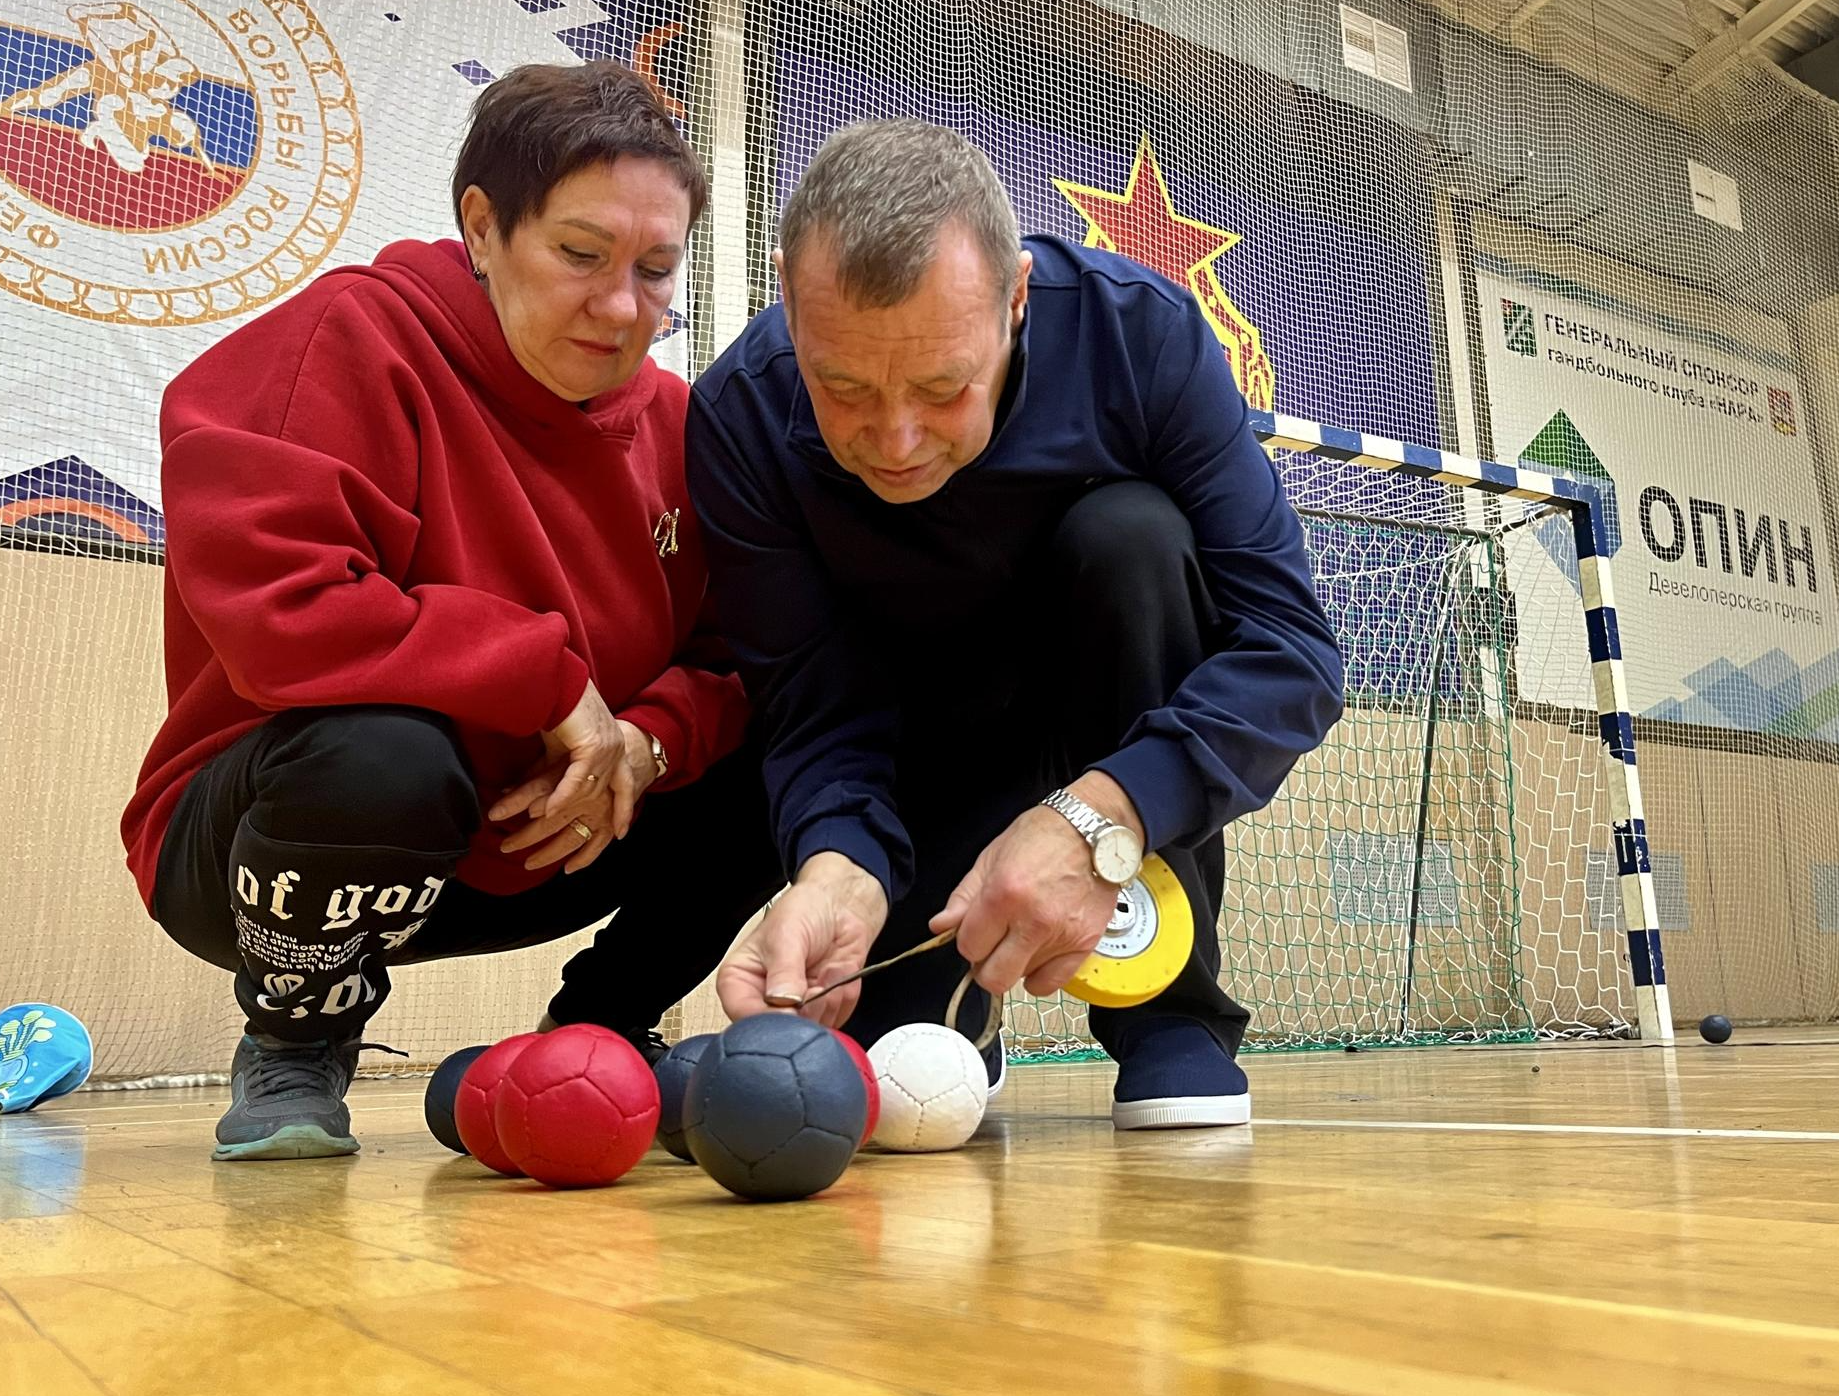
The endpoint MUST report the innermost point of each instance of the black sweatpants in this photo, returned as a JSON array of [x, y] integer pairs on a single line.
[[316, 854], [1113, 616]]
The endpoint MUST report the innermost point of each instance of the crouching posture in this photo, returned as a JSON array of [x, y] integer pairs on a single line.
[[433, 586], [1017, 596]]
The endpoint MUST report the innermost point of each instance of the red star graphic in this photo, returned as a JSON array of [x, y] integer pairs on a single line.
[[1142, 224]]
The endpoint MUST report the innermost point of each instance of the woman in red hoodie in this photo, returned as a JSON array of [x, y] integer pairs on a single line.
[[436, 681]]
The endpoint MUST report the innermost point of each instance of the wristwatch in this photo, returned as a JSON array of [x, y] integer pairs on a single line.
[[1117, 853], [659, 759]]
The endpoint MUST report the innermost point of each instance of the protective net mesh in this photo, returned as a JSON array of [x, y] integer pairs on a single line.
[[1436, 872], [1597, 233]]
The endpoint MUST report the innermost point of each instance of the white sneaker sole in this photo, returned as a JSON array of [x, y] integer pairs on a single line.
[[1002, 1079], [1183, 1112]]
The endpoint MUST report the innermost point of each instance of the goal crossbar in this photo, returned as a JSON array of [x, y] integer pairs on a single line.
[[1585, 505]]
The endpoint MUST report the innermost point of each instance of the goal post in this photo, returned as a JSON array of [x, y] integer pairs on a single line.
[[1464, 859], [1584, 506]]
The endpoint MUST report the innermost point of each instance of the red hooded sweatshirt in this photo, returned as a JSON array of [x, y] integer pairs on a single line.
[[368, 500]]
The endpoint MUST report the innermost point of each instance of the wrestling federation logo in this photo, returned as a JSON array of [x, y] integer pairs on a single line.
[[170, 163]]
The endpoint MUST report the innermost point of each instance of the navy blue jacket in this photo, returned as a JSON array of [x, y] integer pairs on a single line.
[[1115, 375]]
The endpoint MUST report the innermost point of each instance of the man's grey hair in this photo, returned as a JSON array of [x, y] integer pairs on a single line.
[[879, 192]]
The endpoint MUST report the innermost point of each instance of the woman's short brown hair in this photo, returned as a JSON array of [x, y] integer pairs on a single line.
[[541, 122]]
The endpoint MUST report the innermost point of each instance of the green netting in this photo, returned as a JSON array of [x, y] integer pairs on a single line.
[[1424, 877]]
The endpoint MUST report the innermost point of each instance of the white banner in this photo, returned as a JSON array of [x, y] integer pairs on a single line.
[[1724, 579], [168, 169]]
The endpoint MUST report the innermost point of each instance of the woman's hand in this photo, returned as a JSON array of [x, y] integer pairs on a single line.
[[555, 836], [596, 769]]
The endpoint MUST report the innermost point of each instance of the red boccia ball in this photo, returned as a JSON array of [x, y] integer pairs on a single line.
[[472, 1102], [867, 1069], [578, 1109]]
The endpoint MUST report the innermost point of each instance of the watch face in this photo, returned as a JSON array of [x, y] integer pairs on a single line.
[[1117, 856]]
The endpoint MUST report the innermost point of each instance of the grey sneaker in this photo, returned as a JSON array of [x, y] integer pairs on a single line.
[[287, 1100]]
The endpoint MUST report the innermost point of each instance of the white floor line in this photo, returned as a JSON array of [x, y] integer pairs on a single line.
[[1632, 1131], [47, 1124], [40, 1129], [358, 1091], [51, 1120]]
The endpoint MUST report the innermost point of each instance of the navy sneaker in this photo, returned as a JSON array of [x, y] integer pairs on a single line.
[[287, 1100], [1173, 1074], [649, 1041]]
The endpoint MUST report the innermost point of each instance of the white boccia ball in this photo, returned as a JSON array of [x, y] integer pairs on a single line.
[[934, 1086]]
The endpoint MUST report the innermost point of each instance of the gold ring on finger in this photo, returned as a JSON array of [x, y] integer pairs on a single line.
[[586, 833]]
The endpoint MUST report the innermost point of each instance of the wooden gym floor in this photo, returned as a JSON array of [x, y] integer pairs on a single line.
[[1427, 1223]]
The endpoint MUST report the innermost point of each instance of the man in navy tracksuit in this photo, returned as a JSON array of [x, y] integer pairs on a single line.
[[1017, 597]]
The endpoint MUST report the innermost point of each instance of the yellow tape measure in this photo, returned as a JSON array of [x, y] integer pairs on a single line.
[[1144, 948]]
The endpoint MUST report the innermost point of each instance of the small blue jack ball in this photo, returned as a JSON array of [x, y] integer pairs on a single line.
[[673, 1071], [437, 1105], [775, 1108], [1716, 1028]]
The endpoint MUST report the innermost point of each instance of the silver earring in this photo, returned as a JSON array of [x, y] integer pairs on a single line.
[[478, 276]]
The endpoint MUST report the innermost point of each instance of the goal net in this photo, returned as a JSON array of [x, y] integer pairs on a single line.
[[1440, 869], [1595, 234]]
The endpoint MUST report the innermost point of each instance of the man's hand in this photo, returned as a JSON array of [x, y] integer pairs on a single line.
[[819, 931], [1030, 909]]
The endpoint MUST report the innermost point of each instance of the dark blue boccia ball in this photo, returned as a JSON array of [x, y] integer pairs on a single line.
[[673, 1072], [1715, 1028], [775, 1108], [437, 1105]]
